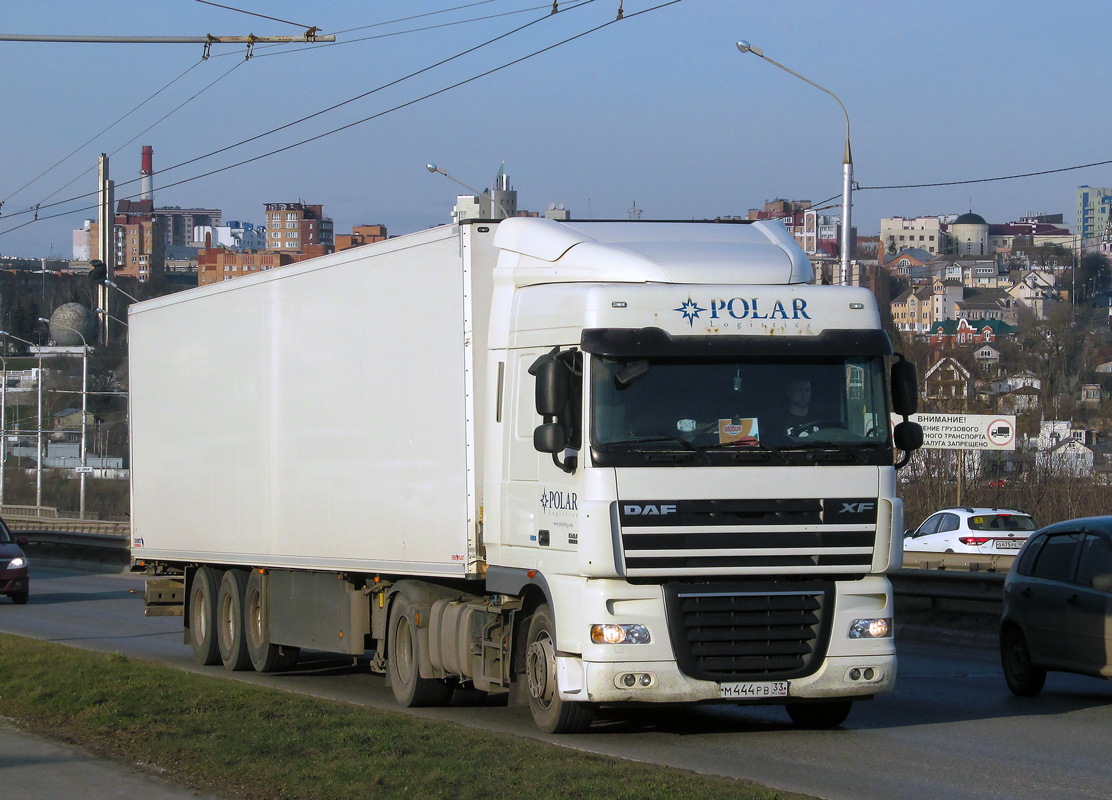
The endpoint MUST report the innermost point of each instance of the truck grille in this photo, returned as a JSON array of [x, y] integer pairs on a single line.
[[727, 632], [711, 538]]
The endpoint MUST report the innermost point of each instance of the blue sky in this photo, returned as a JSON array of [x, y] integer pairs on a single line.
[[659, 109]]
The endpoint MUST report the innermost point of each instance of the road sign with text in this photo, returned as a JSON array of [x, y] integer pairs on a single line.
[[966, 431]]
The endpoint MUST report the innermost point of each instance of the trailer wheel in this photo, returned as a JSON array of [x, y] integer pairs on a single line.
[[230, 630], [550, 713], [829, 714], [265, 656], [404, 661], [202, 615]]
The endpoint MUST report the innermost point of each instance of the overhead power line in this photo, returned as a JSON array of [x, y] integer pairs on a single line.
[[253, 14], [987, 180], [43, 204], [398, 107]]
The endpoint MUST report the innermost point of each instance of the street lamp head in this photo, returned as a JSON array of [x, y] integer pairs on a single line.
[[44, 319], [434, 168], [745, 47]]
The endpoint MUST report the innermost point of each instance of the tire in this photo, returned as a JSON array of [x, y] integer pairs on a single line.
[[265, 656], [20, 598], [1023, 677], [829, 714], [404, 661], [550, 713], [231, 633], [202, 615]]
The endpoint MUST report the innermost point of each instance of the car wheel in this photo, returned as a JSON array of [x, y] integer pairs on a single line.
[[202, 615], [20, 598], [231, 633], [1023, 677]]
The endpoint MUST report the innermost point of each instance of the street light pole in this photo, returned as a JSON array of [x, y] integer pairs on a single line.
[[438, 170], [84, 404], [847, 158], [38, 435]]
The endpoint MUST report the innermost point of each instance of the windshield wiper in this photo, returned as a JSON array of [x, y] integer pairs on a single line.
[[650, 439], [756, 446]]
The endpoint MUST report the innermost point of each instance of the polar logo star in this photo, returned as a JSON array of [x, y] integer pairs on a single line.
[[690, 310]]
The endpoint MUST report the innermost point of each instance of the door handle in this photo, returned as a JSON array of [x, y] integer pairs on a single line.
[[1072, 600], [1027, 592]]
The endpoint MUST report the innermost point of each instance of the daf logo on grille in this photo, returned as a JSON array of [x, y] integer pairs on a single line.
[[648, 511], [856, 508]]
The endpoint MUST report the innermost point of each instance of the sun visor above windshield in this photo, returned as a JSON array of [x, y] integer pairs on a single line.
[[759, 253]]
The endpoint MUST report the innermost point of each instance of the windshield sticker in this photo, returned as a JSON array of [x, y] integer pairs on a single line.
[[739, 432]]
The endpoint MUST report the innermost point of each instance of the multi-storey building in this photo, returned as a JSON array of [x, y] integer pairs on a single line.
[[298, 228], [1094, 210], [360, 235], [178, 223], [139, 246], [922, 233], [216, 264]]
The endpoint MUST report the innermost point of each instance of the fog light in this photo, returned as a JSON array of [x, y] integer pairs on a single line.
[[610, 633], [870, 628], [646, 680], [855, 674], [869, 674], [629, 679]]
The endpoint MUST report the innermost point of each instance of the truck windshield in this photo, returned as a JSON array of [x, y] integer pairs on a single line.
[[732, 404]]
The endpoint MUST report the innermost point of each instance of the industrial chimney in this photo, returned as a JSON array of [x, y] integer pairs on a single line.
[[146, 182]]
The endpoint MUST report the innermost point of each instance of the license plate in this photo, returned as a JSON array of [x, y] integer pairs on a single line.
[[754, 691], [1009, 544]]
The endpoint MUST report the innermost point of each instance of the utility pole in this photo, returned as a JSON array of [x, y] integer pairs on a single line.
[[105, 239]]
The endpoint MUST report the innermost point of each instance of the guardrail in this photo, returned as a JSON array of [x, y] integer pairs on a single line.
[[935, 576]]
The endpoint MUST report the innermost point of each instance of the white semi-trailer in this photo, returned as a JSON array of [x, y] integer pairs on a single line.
[[560, 460]]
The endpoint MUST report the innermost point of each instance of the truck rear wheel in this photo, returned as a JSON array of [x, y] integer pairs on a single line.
[[202, 615], [404, 661], [550, 713], [828, 714], [230, 630], [265, 656]]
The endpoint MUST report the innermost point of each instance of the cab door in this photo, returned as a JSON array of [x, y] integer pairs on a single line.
[[1042, 600], [1089, 607]]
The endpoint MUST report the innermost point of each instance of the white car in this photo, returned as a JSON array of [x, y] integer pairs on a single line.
[[983, 531]]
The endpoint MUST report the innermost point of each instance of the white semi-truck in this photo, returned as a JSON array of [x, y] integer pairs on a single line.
[[555, 460]]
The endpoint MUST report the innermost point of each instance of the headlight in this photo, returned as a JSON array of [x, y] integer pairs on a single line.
[[17, 562], [619, 634], [870, 628]]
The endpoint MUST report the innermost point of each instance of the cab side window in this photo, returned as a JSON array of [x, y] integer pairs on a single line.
[[1056, 558], [1096, 559], [1029, 554], [949, 522]]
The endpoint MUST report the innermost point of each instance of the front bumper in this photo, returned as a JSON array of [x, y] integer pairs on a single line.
[[14, 581], [602, 683]]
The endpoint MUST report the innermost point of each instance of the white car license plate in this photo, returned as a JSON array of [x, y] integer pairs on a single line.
[[754, 691], [1009, 544]]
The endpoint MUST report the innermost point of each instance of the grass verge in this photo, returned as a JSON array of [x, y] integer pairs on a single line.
[[237, 740]]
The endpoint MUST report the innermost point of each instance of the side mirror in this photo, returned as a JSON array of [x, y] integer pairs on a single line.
[[21, 541], [905, 388], [549, 438], [908, 533], [552, 386], [1103, 583], [908, 436]]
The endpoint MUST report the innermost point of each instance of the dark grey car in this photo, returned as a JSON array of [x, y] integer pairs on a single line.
[[1058, 605]]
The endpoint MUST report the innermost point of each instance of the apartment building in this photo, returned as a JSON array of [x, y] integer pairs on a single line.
[[297, 227]]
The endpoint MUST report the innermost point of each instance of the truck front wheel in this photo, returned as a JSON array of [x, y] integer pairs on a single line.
[[404, 661], [202, 615], [230, 634], [550, 713]]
